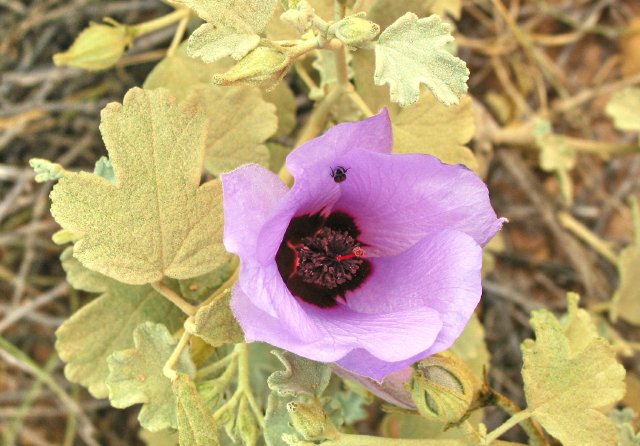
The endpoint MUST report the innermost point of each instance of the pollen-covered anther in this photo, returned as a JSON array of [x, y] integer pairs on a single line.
[[328, 258]]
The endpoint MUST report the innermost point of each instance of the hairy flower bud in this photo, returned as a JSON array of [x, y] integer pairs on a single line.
[[263, 67], [299, 16], [354, 31], [310, 420], [443, 387], [97, 48]]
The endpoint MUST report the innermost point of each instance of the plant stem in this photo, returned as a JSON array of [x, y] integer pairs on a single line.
[[214, 367], [169, 367], [342, 66], [362, 105], [517, 418], [177, 37], [178, 301], [602, 148], [159, 23], [243, 389], [226, 285], [533, 431], [586, 235]]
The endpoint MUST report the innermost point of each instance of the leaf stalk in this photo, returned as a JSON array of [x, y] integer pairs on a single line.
[[172, 296], [159, 23]]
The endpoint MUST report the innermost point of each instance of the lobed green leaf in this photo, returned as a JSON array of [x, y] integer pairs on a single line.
[[157, 220], [300, 377], [568, 374], [232, 27], [105, 325], [412, 51], [446, 130], [238, 119], [216, 324], [135, 376]]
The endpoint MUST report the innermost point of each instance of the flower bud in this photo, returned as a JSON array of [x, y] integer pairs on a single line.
[[98, 47], [299, 17], [263, 67], [443, 388], [354, 31], [310, 420]]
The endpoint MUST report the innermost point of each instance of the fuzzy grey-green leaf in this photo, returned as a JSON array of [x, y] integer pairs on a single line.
[[567, 379], [196, 426], [106, 324], [216, 324], [241, 15], [135, 376], [412, 51], [300, 377], [211, 43], [239, 120], [157, 220]]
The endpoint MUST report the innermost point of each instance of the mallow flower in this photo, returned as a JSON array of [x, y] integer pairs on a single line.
[[371, 260]]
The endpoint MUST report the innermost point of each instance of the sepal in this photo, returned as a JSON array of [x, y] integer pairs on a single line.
[[443, 388]]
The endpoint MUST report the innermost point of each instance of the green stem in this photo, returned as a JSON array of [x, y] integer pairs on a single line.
[[304, 47], [241, 352], [533, 431], [227, 283], [177, 37], [517, 418], [178, 301], [169, 367], [587, 236], [214, 367], [244, 381], [342, 66], [602, 148], [159, 23], [359, 101]]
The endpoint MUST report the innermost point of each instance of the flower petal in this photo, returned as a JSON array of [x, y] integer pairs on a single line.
[[442, 272], [250, 195], [363, 363], [398, 199], [309, 195], [373, 134], [339, 330], [392, 389]]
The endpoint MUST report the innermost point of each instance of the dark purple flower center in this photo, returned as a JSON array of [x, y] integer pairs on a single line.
[[320, 258]]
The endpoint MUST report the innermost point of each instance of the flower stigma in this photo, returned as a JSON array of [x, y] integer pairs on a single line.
[[320, 258]]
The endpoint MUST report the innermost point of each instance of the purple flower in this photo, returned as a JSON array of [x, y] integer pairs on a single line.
[[371, 260]]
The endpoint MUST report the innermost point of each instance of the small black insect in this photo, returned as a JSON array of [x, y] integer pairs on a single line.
[[340, 174]]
